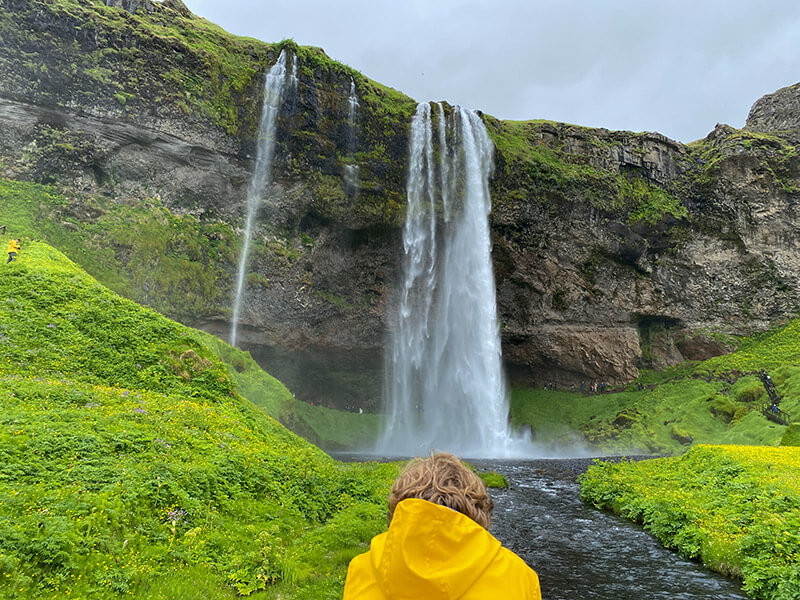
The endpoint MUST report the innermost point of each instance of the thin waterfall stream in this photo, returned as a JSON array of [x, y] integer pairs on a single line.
[[352, 176], [274, 84]]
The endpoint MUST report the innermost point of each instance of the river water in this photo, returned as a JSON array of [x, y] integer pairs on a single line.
[[583, 553]]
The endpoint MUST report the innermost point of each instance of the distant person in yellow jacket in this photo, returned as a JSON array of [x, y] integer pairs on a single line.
[[13, 248], [438, 546]]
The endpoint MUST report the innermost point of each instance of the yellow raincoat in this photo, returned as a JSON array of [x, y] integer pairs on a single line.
[[434, 553]]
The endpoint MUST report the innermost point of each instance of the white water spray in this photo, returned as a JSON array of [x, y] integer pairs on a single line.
[[259, 183], [444, 381], [352, 175], [293, 80]]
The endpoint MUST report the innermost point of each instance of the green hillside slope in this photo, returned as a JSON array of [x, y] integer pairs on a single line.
[[130, 464], [174, 265], [717, 401]]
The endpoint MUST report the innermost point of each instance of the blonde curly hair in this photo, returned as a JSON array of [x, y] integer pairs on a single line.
[[443, 479]]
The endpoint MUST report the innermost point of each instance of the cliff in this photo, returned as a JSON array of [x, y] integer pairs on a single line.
[[624, 250], [613, 251]]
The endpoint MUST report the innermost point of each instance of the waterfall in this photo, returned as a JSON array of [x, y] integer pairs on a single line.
[[293, 81], [351, 172], [444, 382], [259, 183]]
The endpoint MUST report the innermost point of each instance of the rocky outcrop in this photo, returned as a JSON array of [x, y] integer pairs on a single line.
[[87, 152], [613, 250], [779, 111]]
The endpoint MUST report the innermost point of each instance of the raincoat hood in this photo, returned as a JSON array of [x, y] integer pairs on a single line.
[[431, 552]]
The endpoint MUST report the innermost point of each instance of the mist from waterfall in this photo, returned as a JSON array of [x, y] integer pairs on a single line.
[[262, 175], [444, 383], [352, 176]]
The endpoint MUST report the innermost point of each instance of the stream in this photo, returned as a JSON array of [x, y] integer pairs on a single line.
[[583, 553]]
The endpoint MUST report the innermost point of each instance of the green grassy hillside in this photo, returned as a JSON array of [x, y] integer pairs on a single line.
[[174, 264], [131, 465], [716, 401], [177, 266]]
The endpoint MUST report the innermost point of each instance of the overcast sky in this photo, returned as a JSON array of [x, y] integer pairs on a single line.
[[673, 66]]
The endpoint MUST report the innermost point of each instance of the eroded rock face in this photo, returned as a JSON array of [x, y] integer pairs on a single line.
[[644, 293], [597, 273], [779, 111], [567, 354]]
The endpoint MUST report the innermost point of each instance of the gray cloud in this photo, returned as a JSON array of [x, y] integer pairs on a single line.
[[676, 66]]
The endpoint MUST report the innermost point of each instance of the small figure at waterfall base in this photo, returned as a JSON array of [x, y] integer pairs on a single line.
[[438, 545]]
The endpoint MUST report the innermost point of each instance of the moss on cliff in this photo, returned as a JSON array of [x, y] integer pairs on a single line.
[[771, 155], [538, 162], [72, 53], [165, 63]]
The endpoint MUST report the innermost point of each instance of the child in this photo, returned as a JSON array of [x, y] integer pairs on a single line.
[[438, 546]]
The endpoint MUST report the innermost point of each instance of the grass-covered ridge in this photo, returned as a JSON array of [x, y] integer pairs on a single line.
[[773, 153], [168, 65], [130, 463], [178, 61], [550, 161], [736, 508]]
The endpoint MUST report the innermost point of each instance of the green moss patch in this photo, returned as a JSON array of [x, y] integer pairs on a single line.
[[541, 170]]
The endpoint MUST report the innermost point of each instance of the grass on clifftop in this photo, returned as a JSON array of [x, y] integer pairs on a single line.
[[736, 508], [130, 465], [552, 172]]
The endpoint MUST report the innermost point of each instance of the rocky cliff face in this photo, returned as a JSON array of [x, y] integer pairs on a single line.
[[593, 287], [777, 112], [612, 250]]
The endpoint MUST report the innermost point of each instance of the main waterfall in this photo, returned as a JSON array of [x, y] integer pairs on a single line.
[[444, 382], [259, 183]]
